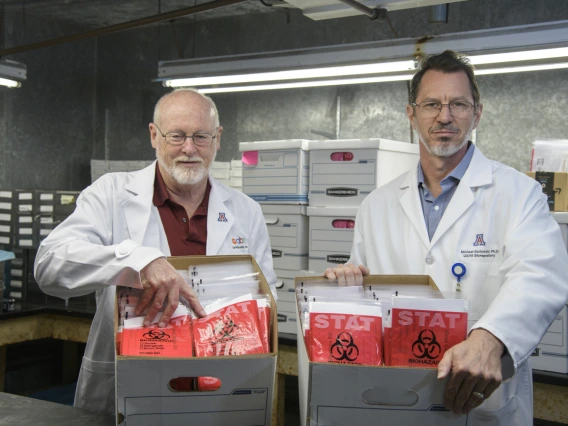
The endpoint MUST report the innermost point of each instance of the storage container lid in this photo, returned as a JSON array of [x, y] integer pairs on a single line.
[[283, 209], [560, 217], [382, 144], [333, 211], [274, 145]]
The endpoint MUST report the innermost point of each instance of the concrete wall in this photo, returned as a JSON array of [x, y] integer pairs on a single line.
[[95, 98]]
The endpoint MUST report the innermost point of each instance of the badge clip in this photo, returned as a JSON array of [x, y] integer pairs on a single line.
[[459, 270]]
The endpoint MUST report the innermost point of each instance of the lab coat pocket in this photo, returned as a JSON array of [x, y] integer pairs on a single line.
[[506, 415], [95, 387]]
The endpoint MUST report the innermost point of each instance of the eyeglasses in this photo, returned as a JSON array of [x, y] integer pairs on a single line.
[[178, 138], [458, 109]]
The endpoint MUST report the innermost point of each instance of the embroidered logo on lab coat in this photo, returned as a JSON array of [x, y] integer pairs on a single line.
[[240, 245], [222, 217], [479, 240]]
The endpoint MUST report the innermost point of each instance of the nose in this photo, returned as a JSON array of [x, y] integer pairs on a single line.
[[188, 147], [445, 115]]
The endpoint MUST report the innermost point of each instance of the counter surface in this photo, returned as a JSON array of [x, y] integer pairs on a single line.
[[18, 410]]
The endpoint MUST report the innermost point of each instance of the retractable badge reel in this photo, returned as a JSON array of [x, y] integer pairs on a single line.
[[459, 271]]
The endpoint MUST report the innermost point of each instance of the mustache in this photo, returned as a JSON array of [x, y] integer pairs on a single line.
[[193, 159], [445, 127]]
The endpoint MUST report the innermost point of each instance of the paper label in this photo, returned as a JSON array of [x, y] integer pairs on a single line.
[[25, 196], [5, 194], [4, 228], [25, 219], [46, 209], [6, 206], [46, 197]]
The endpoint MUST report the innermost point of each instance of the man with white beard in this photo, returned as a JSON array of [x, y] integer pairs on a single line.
[[475, 226], [126, 224]]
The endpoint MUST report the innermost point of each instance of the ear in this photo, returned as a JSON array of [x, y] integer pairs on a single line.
[[218, 138], [478, 114], [411, 116], [153, 135]]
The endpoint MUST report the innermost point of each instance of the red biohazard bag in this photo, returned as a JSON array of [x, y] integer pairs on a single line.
[[231, 330], [421, 337], [175, 340], [264, 322], [345, 333]]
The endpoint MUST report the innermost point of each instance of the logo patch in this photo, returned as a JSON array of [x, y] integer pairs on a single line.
[[337, 258], [222, 217], [479, 240], [341, 192]]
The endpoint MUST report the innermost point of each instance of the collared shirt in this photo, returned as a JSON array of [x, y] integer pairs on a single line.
[[434, 208], [186, 236]]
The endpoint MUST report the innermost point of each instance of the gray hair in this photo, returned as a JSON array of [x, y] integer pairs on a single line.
[[214, 111]]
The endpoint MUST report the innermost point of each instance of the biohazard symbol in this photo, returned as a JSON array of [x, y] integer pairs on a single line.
[[344, 348], [156, 335], [426, 345], [225, 327]]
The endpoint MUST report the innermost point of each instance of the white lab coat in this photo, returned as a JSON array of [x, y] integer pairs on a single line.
[[515, 293], [116, 231]]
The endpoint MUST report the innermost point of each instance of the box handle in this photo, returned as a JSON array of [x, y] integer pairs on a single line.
[[389, 396], [271, 220], [341, 156], [194, 384], [279, 284]]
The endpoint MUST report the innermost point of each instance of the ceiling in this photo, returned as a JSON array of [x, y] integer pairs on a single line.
[[88, 14]]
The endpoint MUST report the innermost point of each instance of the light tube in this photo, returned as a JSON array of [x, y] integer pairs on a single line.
[[9, 83]]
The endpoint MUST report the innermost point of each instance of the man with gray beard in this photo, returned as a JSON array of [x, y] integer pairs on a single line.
[[477, 227], [126, 224]]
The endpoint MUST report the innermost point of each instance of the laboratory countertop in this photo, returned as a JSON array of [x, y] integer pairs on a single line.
[[18, 410]]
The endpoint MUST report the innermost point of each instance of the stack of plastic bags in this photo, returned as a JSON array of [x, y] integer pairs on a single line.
[[393, 325], [237, 320]]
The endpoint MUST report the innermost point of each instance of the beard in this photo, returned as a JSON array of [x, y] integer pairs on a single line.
[[445, 148], [181, 175]]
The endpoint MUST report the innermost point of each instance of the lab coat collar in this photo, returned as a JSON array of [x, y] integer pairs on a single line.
[[137, 208], [479, 173], [220, 218]]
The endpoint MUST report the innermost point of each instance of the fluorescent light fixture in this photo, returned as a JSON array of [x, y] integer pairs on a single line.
[[12, 73], [320, 83], [502, 50]]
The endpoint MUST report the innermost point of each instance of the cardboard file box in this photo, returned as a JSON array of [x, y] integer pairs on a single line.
[[331, 236], [24, 202], [554, 185], [244, 398], [347, 394], [551, 354], [288, 231], [276, 171], [344, 172]]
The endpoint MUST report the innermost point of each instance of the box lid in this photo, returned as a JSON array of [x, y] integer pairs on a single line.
[[382, 144], [333, 211], [274, 145]]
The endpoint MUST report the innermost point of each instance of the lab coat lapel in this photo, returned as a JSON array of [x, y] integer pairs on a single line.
[[138, 209], [477, 174], [219, 218], [410, 202]]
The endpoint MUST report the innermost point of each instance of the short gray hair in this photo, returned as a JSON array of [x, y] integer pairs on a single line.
[[214, 111]]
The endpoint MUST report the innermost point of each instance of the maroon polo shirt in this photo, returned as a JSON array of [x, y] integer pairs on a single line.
[[186, 236]]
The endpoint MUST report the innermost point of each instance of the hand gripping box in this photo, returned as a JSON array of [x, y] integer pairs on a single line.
[[288, 230], [344, 172], [276, 172], [144, 397], [344, 394], [331, 236]]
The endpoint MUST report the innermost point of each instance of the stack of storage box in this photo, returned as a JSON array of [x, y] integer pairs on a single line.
[[342, 174], [236, 179], [552, 352], [24, 212], [102, 167], [221, 171], [275, 173], [6, 219]]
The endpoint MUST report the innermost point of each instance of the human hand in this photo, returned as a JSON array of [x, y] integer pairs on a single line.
[[475, 368], [348, 274], [160, 280]]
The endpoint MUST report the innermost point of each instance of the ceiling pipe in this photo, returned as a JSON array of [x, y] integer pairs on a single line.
[[373, 14], [122, 26]]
